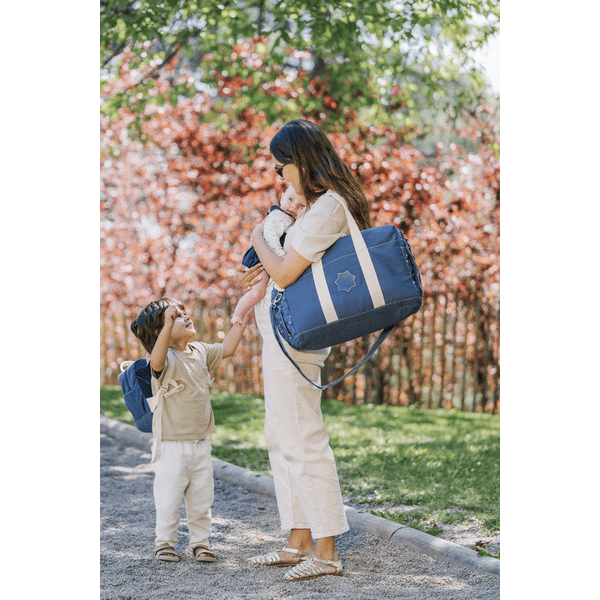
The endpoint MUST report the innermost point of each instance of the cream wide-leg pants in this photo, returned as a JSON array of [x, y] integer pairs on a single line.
[[183, 470], [302, 462]]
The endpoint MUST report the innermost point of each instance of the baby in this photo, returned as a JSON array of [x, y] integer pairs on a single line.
[[277, 223]]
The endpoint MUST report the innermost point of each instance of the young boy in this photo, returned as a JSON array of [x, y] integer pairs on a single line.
[[182, 422]]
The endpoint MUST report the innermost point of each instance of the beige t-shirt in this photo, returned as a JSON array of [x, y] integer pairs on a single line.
[[187, 415], [318, 228]]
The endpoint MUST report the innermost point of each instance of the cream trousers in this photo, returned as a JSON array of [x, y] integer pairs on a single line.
[[183, 470], [302, 462]]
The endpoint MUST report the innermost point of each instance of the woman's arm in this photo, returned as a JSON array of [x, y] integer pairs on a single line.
[[284, 270]]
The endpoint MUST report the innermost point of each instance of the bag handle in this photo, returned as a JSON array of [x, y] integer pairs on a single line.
[[125, 365], [384, 333]]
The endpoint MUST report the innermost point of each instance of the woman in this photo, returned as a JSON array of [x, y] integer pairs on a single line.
[[303, 466]]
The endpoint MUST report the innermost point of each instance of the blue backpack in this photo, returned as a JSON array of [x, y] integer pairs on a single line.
[[135, 381]]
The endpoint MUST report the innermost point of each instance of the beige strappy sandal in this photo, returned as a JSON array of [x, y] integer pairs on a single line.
[[311, 569], [274, 560]]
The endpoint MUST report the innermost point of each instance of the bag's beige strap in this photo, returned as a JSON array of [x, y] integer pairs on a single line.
[[366, 265], [323, 293]]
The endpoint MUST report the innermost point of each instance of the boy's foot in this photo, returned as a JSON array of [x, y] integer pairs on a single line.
[[203, 554], [167, 554]]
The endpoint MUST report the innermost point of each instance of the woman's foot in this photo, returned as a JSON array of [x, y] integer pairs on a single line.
[[315, 567], [286, 557]]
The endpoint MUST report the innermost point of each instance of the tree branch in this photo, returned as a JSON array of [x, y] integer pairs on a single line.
[[261, 16]]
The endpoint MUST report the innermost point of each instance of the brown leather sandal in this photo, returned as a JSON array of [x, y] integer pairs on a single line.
[[203, 554], [167, 554]]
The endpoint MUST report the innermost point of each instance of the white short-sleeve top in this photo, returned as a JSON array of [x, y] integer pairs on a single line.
[[322, 224]]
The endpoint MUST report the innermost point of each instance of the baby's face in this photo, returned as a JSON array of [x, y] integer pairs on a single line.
[[293, 203]]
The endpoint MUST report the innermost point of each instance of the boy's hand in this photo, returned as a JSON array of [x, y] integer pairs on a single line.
[[171, 314], [159, 352]]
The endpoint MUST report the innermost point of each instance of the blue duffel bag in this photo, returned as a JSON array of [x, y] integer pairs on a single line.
[[365, 282]]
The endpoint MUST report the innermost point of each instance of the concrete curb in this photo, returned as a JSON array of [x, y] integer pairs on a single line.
[[358, 519]]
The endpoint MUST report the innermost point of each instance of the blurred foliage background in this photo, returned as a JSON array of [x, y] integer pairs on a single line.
[[191, 94]]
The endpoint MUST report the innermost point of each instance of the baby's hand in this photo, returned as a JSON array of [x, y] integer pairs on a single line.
[[171, 314]]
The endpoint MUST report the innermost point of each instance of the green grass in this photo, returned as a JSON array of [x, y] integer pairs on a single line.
[[483, 551], [112, 404], [445, 464]]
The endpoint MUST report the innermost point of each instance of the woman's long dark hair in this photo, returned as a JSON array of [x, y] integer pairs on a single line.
[[303, 144]]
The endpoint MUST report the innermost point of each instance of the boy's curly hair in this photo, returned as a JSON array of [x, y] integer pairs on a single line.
[[151, 320]]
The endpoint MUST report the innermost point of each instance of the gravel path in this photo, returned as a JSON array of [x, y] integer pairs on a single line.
[[246, 523]]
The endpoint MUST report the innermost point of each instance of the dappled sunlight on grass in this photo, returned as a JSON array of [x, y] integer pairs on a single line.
[[433, 458]]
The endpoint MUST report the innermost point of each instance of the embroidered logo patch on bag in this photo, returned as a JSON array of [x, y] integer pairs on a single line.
[[345, 281]]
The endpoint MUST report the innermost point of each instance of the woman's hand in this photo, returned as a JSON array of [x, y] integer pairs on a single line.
[[248, 277]]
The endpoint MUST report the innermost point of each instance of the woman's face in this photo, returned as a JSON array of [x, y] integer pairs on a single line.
[[291, 174]]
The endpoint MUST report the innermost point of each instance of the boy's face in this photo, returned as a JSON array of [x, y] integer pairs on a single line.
[[293, 203], [183, 327]]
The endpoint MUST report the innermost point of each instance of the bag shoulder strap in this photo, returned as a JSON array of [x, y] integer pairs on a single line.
[[382, 336], [363, 256]]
